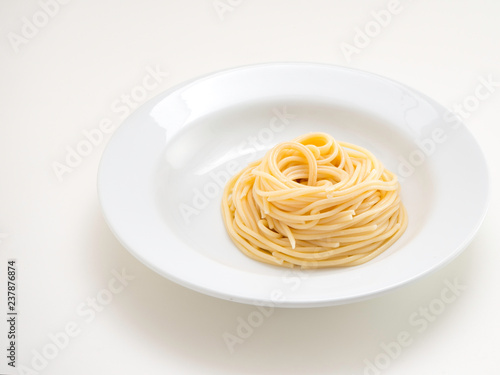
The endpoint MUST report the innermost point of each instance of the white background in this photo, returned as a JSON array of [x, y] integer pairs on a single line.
[[63, 78]]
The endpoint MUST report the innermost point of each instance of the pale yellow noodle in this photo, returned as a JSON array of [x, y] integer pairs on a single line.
[[314, 202]]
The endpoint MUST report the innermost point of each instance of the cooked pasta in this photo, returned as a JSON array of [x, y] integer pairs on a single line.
[[314, 202]]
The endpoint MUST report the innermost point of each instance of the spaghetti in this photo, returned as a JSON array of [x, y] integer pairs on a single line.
[[314, 202]]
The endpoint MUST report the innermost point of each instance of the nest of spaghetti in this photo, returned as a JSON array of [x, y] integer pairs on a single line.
[[314, 202]]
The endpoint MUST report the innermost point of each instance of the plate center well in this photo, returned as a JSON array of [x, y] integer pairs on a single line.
[[202, 156]]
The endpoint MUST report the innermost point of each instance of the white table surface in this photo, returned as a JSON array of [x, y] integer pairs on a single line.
[[62, 77]]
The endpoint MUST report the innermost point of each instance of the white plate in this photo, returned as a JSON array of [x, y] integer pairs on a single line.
[[161, 176]]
